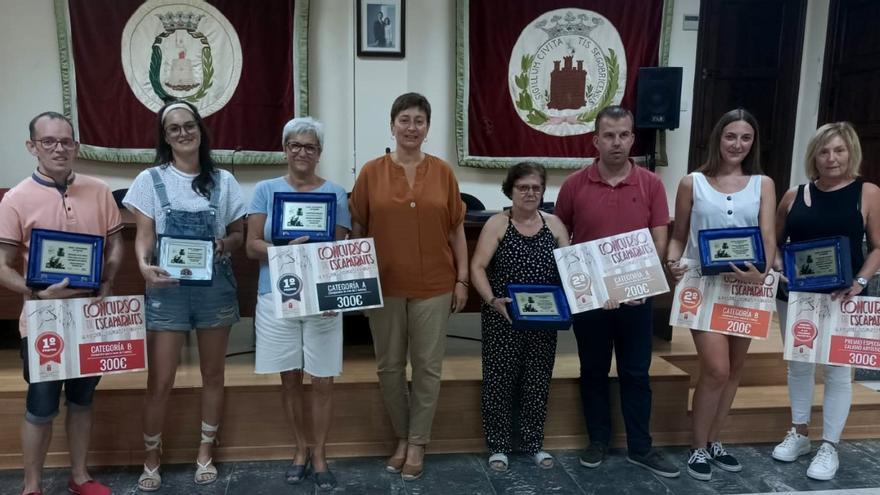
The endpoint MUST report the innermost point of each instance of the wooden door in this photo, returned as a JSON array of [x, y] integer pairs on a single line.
[[851, 82], [749, 56]]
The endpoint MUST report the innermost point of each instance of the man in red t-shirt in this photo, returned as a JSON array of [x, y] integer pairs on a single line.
[[613, 196]]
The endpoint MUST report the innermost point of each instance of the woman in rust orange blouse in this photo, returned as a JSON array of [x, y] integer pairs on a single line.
[[409, 203]]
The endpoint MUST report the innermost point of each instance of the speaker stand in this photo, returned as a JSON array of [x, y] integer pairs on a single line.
[[650, 158]]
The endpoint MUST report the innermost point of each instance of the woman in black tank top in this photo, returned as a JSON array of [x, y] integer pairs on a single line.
[[834, 203]]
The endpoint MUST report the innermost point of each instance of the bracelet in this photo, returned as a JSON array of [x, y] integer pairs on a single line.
[[464, 283], [671, 262], [34, 295]]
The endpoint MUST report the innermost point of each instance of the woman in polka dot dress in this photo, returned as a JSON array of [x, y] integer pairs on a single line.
[[516, 247]]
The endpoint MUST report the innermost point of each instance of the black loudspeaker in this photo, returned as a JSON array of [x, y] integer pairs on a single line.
[[658, 99]]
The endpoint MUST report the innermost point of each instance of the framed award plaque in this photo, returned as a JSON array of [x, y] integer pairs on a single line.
[[721, 247], [299, 214], [820, 265], [188, 259], [538, 307], [55, 255]]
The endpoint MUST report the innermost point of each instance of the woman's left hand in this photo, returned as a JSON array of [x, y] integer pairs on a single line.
[[845, 294], [750, 275], [459, 297]]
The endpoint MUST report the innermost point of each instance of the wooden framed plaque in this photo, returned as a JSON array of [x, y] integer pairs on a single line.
[[721, 247], [820, 265], [538, 307], [55, 255], [297, 214], [188, 259]]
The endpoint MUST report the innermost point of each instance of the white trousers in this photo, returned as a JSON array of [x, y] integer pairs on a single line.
[[801, 381]]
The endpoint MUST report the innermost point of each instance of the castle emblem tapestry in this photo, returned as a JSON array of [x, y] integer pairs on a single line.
[[242, 64], [531, 81]]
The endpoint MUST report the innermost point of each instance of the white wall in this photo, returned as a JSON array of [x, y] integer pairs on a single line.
[[682, 53], [353, 95], [812, 62]]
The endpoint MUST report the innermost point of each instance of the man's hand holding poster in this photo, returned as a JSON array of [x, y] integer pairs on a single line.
[[71, 338], [623, 267]]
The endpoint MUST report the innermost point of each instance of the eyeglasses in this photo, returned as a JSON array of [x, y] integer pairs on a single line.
[[49, 144], [525, 188], [175, 130], [294, 147]]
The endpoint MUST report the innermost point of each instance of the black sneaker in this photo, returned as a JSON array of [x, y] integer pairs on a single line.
[[655, 462], [698, 465], [719, 456], [593, 455]]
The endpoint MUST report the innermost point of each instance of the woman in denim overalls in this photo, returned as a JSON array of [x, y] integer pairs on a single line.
[[185, 195]]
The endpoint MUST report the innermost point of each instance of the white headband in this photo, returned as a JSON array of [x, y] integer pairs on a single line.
[[175, 106]]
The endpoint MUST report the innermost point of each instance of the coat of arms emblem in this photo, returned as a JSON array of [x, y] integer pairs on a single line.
[[566, 66], [181, 49]]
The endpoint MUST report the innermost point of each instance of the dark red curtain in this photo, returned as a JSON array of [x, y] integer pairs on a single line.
[[110, 115], [494, 128]]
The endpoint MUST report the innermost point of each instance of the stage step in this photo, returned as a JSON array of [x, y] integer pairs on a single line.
[[763, 414], [254, 426], [761, 369]]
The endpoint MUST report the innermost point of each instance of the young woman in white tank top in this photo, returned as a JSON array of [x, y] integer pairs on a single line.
[[726, 191]]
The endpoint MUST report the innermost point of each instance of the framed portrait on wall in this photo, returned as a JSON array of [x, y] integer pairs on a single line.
[[381, 30]]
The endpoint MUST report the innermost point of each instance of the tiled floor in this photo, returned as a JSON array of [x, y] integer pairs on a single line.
[[467, 474]]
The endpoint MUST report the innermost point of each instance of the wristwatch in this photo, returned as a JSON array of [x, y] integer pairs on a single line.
[[862, 281]]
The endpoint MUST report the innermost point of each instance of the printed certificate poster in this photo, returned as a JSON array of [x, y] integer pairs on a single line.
[[723, 304], [624, 267], [842, 333], [72, 338], [309, 279]]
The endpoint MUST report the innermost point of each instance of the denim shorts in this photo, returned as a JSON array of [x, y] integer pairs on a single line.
[[185, 307], [43, 398]]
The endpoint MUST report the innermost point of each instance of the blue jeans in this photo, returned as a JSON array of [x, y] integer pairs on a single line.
[[43, 398], [628, 332], [184, 307]]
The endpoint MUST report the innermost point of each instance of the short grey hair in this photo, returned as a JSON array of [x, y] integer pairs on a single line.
[[303, 125]]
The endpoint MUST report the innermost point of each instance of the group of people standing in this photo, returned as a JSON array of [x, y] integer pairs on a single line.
[[409, 202], [614, 196]]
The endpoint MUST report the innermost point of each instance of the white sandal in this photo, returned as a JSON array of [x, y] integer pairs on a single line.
[[207, 473], [542, 456], [150, 480], [498, 462]]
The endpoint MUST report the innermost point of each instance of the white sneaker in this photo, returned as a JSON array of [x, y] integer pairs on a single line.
[[793, 446], [825, 464]]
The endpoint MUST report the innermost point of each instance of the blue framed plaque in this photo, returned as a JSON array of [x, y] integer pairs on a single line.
[[538, 307], [820, 265], [298, 214], [54, 255], [721, 247], [188, 259]]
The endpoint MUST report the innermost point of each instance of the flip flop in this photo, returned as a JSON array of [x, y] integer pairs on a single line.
[[296, 473], [540, 460], [325, 480], [498, 462]]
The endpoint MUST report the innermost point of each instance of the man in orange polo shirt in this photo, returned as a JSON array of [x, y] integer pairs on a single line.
[[614, 196], [53, 197]]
